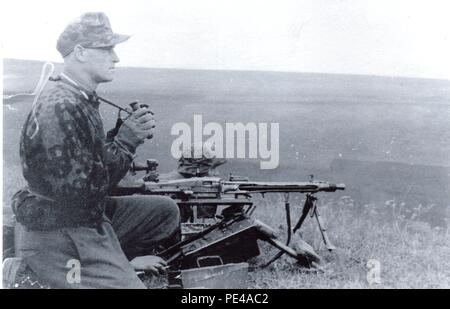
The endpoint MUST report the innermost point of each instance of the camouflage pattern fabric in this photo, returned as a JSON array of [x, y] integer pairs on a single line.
[[90, 30], [132, 226], [66, 161]]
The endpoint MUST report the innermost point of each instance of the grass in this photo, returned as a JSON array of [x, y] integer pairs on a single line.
[[12, 182], [411, 253]]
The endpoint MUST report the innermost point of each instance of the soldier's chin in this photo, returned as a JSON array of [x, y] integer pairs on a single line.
[[107, 78]]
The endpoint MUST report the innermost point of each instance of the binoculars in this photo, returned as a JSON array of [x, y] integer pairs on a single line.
[[135, 106]]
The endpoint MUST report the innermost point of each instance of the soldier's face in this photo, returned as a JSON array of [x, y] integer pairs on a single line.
[[101, 63]]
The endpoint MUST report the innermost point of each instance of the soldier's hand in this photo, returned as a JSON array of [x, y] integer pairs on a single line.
[[140, 124], [151, 263]]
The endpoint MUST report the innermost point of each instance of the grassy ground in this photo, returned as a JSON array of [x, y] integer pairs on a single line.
[[410, 253]]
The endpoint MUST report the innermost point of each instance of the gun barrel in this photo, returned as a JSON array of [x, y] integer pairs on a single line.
[[335, 187], [303, 187]]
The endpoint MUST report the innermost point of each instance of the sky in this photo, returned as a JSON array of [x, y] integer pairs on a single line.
[[372, 37]]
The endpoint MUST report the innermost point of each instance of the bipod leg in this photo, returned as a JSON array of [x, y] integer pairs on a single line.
[[287, 206], [309, 204], [322, 228]]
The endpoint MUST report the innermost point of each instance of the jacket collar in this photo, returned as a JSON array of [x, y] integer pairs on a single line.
[[89, 95]]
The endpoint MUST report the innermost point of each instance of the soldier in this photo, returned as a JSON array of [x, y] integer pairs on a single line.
[[65, 217], [192, 165]]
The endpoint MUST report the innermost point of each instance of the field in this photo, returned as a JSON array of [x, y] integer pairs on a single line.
[[387, 139]]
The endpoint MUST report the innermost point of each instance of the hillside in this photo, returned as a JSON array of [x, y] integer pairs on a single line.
[[386, 138]]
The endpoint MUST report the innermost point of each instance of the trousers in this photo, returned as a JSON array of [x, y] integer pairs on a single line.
[[98, 257]]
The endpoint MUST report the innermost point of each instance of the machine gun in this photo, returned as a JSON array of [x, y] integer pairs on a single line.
[[231, 235]]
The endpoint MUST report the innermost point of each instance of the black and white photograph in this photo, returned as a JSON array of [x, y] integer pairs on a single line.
[[216, 145]]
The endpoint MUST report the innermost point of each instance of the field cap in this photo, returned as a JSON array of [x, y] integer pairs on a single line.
[[90, 30]]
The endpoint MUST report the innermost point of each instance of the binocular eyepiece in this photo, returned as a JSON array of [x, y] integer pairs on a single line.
[[135, 106]]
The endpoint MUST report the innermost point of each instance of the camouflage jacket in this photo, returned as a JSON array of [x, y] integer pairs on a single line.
[[67, 162]]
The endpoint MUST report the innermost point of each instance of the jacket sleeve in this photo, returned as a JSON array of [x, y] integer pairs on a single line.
[[118, 153]]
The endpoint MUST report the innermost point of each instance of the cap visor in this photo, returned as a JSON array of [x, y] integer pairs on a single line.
[[119, 38]]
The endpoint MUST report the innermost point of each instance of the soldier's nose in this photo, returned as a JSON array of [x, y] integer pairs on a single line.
[[115, 58]]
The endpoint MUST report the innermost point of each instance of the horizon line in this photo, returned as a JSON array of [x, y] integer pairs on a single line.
[[248, 70]]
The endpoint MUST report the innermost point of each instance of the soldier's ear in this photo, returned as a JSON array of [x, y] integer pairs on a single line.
[[80, 53]]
